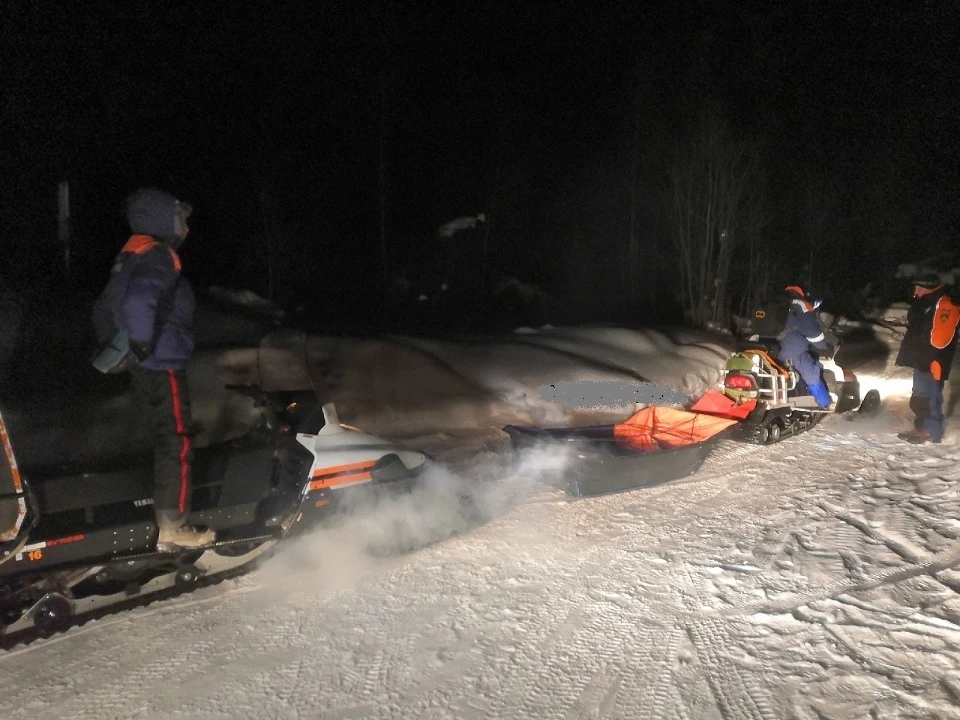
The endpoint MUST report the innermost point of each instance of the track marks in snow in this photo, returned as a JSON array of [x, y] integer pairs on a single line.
[[812, 579], [609, 697], [658, 693]]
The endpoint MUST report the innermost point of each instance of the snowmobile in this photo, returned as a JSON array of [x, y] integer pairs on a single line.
[[772, 401], [76, 542], [760, 399]]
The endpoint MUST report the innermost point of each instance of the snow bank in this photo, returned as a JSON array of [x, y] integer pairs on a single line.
[[908, 271], [395, 386], [410, 386]]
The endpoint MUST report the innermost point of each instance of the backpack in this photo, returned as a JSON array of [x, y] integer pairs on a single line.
[[770, 317]]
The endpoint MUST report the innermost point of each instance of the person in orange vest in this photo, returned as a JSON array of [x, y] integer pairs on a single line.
[[928, 347], [144, 323]]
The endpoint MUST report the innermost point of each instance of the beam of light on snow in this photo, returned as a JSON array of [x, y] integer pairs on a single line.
[[887, 387]]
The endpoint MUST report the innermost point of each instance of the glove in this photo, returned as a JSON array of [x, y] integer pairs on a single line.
[[117, 356], [936, 370], [141, 350]]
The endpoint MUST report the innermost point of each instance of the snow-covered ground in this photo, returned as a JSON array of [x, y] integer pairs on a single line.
[[818, 578]]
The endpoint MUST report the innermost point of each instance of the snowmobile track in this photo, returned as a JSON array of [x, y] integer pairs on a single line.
[[23, 639], [657, 698], [893, 575], [738, 697], [609, 698], [900, 547]]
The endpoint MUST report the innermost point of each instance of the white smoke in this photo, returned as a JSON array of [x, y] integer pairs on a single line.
[[371, 533]]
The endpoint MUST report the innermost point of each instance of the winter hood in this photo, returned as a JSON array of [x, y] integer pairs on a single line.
[[151, 212]]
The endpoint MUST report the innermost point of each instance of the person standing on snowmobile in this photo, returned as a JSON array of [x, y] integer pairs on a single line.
[[802, 332], [928, 347], [144, 320]]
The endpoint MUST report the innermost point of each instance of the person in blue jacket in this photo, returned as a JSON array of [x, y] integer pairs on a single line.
[[144, 322], [802, 332]]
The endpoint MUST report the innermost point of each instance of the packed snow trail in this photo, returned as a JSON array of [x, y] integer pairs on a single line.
[[817, 578]]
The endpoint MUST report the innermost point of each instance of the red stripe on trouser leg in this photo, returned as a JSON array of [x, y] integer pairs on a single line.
[[185, 448]]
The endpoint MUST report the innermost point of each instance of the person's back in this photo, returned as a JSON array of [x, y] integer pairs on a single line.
[[146, 314]]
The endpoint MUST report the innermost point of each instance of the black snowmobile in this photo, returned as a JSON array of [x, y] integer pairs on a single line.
[[77, 541]]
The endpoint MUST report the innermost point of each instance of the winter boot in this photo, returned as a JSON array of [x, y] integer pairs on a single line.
[[173, 539], [909, 435], [921, 437], [175, 536], [821, 394]]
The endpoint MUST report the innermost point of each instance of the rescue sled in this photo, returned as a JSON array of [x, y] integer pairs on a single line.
[[654, 446], [79, 541]]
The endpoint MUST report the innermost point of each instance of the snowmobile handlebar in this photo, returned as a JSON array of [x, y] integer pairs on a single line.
[[261, 400], [281, 407]]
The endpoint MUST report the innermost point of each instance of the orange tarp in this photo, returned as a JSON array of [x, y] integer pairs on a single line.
[[716, 403], [658, 428]]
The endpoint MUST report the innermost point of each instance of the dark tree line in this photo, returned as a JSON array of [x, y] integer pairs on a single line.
[[670, 163]]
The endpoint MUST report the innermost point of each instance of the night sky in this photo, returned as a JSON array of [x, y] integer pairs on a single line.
[[275, 121]]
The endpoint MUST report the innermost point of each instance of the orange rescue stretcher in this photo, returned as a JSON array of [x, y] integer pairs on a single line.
[[654, 446]]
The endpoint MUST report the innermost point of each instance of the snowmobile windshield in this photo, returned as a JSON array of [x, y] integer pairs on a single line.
[[290, 368], [281, 362], [290, 361]]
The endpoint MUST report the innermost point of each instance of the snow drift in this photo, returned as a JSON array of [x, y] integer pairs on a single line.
[[393, 386]]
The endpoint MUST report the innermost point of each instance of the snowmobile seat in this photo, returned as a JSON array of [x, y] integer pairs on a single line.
[[72, 490], [235, 474]]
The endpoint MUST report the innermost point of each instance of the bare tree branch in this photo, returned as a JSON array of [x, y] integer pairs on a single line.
[[717, 200]]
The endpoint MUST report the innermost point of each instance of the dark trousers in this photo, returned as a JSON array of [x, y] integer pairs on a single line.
[[165, 404], [926, 401], [795, 348]]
